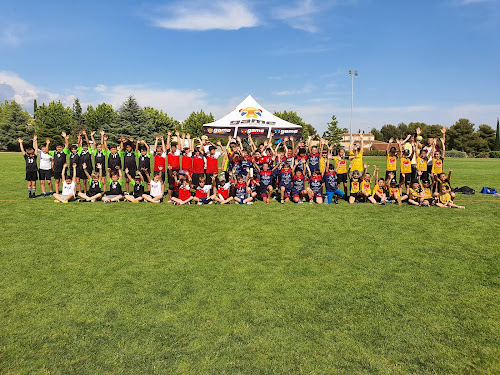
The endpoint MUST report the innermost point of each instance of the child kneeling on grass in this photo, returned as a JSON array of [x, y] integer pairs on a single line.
[[69, 184], [115, 184]]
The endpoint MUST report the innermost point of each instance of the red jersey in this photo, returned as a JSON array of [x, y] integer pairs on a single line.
[[198, 164], [265, 159], [174, 160], [223, 190], [212, 163], [184, 192], [159, 161], [187, 162]]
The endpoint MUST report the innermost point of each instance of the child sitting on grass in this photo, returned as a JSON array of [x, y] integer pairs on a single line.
[[444, 199], [69, 184], [365, 191], [203, 191], [185, 196], [156, 188], [115, 185], [137, 187], [94, 191]]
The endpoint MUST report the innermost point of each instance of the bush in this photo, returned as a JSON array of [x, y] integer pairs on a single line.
[[456, 154], [482, 155], [374, 153], [494, 154]]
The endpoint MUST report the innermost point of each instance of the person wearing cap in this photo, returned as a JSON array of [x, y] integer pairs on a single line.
[[187, 153], [356, 155], [390, 152]]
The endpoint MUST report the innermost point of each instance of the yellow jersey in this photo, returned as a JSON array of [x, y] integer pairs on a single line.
[[405, 165], [365, 186], [414, 194], [354, 185], [445, 198], [422, 164], [391, 163], [378, 189], [357, 162], [427, 193], [322, 164], [437, 165], [393, 191], [342, 168]]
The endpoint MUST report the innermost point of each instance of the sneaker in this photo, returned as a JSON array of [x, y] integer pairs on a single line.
[[282, 201], [56, 201], [300, 202], [200, 204], [249, 202], [92, 200], [108, 201], [82, 200], [311, 202], [134, 201], [388, 202], [336, 201], [170, 201], [211, 202], [65, 201]]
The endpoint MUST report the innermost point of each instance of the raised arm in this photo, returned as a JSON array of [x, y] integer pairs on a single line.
[[250, 142], [21, 145], [169, 136], [449, 174], [84, 165], [362, 141], [66, 140], [63, 173], [156, 142], [443, 140], [163, 143], [35, 143], [388, 146], [293, 145], [309, 143], [74, 173], [93, 140], [86, 137]]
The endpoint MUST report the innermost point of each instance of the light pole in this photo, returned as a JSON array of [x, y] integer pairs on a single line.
[[352, 75]]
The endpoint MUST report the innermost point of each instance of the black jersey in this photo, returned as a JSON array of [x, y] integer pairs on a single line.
[[129, 161], [115, 187], [30, 163], [85, 158], [138, 190], [73, 159], [114, 160], [145, 163], [100, 158], [59, 160], [94, 188]]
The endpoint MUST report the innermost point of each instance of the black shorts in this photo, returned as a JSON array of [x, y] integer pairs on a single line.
[[425, 175], [81, 174], [407, 178], [31, 175], [45, 174], [429, 168], [132, 172], [354, 195], [58, 175], [341, 177]]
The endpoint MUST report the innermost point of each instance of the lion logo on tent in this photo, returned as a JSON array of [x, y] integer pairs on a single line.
[[251, 112]]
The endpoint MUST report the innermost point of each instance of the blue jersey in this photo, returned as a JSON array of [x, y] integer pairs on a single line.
[[316, 183], [298, 183], [266, 179], [313, 162], [286, 179], [241, 190], [330, 179], [236, 166]]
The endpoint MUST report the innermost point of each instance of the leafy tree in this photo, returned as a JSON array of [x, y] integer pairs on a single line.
[[333, 133], [194, 123], [461, 136], [77, 116], [157, 122], [52, 119], [377, 134], [131, 120], [294, 118], [403, 130], [487, 133], [35, 106], [389, 131], [100, 118], [496, 146], [435, 131], [14, 123]]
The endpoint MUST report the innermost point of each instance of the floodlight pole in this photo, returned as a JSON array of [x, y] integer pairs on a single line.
[[352, 75]]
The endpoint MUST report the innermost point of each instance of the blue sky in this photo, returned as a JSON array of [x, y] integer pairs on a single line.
[[431, 61]]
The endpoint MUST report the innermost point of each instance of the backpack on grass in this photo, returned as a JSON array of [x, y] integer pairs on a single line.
[[487, 190], [464, 190]]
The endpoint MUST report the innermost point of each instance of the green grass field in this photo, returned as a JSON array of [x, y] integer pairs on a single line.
[[293, 289]]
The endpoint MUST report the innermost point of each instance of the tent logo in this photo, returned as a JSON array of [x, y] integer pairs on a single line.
[[218, 130], [251, 112]]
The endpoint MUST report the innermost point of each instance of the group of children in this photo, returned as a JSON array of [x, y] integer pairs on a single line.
[[188, 171]]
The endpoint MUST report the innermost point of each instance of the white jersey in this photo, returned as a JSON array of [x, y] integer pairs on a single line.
[[68, 188], [45, 160], [155, 188]]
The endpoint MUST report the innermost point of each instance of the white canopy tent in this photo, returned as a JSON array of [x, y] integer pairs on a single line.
[[250, 118]]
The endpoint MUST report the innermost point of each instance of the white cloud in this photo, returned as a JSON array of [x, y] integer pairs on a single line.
[[100, 88], [16, 88], [307, 89], [206, 15], [299, 17]]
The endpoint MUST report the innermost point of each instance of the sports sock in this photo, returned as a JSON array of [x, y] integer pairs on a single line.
[[29, 192]]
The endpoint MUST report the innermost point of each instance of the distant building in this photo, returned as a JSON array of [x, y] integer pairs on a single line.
[[369, 142]]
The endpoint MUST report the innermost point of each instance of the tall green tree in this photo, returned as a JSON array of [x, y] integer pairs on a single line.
[[294, 118], [378, 135], [131, 119], [14, 123], [51, 120], [390, 131], [35, 106], [77, 116], [487, 133], [157, 122], [100, 118], [496, 146], [333, 132], [194, 123], [461, 136]]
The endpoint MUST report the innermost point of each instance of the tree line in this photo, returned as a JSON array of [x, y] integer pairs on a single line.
[[132, 120]]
